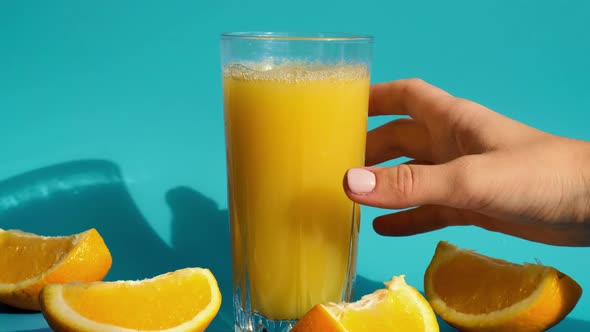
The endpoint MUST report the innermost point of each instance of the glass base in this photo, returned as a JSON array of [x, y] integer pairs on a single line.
[[254, 322]]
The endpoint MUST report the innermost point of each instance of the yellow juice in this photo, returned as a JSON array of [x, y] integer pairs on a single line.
[[291, 134]]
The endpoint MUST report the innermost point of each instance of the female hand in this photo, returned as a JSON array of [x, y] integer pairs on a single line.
[[470, 166]]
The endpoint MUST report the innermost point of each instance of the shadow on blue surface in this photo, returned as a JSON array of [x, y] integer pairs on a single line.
[[72, 197], [200, 237], [571, 324], [5, 309]]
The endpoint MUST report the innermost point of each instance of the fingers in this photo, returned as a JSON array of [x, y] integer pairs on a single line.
[[399, 138], [401, 186], [431, 217], [411, 97]]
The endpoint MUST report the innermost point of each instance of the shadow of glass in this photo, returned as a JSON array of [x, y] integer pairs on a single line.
[[364, 286], [200, 237], [72, 197]]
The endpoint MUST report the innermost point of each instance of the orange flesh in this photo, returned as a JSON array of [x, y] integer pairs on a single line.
[[379, 317], [477, 293], [29, 257], [165, 302]]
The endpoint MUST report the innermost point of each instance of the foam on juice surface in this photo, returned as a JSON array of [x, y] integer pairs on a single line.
[[288, 71]]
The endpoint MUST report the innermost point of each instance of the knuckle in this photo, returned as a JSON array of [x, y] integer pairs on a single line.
[[413, 86], [467, 184], [415, 81], [461, 107], [454, 105], [462, 179], [402, 181], [460, 103]]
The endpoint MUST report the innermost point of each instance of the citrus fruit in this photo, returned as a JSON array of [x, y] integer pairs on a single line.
[[398, 307], [29, 261], [474, 292], [183, 300]]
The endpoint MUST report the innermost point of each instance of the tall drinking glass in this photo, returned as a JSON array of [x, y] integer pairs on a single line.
[[295, 120]]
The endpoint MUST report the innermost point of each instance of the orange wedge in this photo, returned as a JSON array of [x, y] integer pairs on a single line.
[[29, 261], [179, 301], [398, 307], [474, 292]]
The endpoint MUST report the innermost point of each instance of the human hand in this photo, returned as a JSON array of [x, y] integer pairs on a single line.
[[470, 166]]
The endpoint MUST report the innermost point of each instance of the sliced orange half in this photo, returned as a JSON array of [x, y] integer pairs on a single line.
[[179, 301], [29, 261], [398, 307], [474, 292]]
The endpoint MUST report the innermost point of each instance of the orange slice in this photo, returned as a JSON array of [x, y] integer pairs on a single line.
[[29, 261], [183, 300], [474, 292], [399, 307]]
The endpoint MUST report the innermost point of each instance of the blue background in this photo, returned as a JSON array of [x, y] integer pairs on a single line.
[[111, 117]]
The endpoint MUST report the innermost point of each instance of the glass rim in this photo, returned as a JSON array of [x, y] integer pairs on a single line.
[[292, 36]]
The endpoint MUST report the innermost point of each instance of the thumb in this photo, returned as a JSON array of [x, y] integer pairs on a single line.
[[401, 186]]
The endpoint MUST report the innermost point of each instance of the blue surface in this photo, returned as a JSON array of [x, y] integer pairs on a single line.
[[111, 117]]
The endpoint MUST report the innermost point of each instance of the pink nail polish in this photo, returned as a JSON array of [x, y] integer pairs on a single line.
[[360, 180]]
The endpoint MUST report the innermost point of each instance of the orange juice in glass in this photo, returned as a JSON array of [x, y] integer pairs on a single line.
[[295, 119]]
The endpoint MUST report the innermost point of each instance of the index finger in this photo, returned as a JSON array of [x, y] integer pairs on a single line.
[[411, 97]]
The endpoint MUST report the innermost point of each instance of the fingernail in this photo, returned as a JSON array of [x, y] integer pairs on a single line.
[[360, 180]]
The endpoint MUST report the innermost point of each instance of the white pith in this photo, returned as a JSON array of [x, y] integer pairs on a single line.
[[65, 315], [7, 288], [484, 319], [395, 287]]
